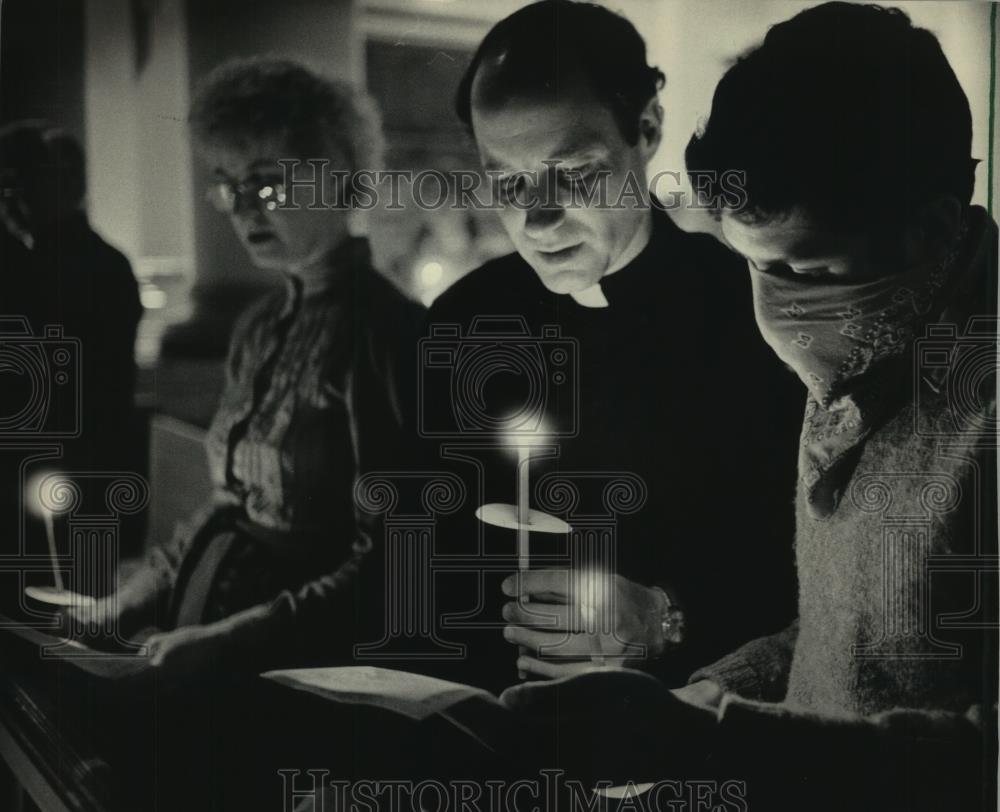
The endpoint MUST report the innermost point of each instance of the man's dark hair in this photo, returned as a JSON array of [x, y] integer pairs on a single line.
[[534, 50], [847, 111], [45, 160]]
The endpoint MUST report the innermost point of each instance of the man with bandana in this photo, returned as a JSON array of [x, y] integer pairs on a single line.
[[875, 280]]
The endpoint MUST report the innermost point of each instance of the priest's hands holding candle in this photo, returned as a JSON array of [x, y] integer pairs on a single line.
[[559, 633]]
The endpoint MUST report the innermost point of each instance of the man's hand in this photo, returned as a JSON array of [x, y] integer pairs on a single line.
[[612, 724], [559, 639], [702, 694]]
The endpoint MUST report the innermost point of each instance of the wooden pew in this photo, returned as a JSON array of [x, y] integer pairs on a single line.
[[53, 766]]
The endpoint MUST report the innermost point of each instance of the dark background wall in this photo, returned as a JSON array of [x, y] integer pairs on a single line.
[[41, 62]]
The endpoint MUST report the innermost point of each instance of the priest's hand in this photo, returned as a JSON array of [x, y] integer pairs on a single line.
[[565, 627], [612, 724]]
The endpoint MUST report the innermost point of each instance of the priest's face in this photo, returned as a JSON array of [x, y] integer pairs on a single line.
[[549, 156]]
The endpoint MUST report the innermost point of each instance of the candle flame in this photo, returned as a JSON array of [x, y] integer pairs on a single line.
[[516, 436], [40, 493]]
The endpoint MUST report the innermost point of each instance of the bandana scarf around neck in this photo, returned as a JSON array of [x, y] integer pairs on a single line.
[[831, 334]]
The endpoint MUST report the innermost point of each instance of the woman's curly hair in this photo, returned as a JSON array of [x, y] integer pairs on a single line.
[[244, 102]]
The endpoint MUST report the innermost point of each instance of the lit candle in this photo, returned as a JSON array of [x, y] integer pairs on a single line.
[[523, 533], [593, 634], [591, 604], [520, 516], [38, 495], [523, 508], [50, 534], [524, 441]]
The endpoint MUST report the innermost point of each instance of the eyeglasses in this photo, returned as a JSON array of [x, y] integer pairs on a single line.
[[225, 196]]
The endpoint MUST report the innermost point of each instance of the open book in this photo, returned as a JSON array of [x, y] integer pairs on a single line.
[[474, 711]]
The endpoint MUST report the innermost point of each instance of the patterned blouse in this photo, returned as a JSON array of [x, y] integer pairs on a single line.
[[314, 397]]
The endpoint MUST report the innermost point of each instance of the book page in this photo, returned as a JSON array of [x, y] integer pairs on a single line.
[[413, 695]]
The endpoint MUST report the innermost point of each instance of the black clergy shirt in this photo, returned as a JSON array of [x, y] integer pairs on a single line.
[[674, 387]]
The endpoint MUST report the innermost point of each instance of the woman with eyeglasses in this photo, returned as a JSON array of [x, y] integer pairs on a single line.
[[313, 397]]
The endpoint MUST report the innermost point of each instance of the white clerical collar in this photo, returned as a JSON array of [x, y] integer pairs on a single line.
[[594, 296], [590, 297]]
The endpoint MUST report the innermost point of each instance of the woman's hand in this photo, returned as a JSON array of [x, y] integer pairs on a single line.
[[122, 613], [559, 640], [119, 614], [182, 655], [232, 646], [102, 613]]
